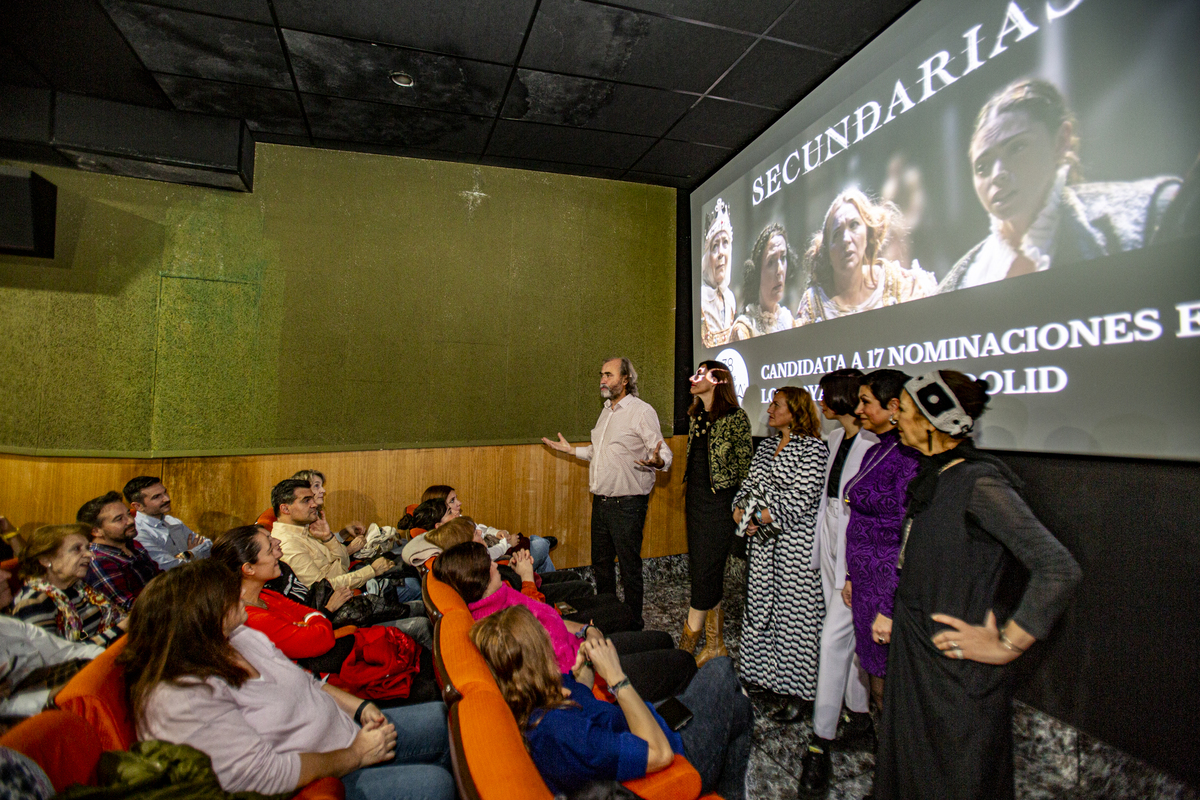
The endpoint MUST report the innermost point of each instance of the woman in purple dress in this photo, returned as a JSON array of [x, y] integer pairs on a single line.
[[876, 497]]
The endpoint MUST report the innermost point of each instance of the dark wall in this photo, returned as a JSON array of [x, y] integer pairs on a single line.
[[1122, 663]]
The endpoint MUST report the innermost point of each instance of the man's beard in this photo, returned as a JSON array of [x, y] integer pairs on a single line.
[[606, 393]]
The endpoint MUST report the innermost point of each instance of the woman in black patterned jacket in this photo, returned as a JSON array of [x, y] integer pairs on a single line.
[[777, 507], [718, 456]]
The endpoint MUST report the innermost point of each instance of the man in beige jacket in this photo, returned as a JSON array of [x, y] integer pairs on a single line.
[[313, 556]]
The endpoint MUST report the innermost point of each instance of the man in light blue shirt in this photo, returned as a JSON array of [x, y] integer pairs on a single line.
[[168, 541]]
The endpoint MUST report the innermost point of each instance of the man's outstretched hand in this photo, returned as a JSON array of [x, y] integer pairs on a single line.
[[562, 445]]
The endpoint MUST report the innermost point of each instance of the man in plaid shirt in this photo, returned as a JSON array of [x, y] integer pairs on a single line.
[[120, 565]]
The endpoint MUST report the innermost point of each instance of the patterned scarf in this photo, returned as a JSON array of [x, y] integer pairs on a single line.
[[69, 624]]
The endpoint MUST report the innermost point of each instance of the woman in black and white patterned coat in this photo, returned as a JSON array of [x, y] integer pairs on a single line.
[[784, 605]]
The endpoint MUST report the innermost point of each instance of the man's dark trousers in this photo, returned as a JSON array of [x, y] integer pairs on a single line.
[[617, 524]]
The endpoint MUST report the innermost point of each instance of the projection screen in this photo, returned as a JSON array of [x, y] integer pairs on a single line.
[[1003, 188]]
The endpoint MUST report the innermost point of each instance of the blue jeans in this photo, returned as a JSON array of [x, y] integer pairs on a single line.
[[421, 768], [411, 590], [539, 549], [617, 524], [717, 740]]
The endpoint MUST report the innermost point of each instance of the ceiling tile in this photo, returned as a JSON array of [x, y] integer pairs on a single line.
[[183, 43], [722, 123], [776, 75], [570, 145], [554, 166], [75, 46], [249, 10], [603, 42], [395, 126], [659, 180], [491, 30], [744, 15], [360, 70], [264, 109], [588, 103], [682, 159], [839, 26]]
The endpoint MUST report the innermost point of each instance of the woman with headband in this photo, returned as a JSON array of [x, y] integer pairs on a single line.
[[717, 306], [948, 669]]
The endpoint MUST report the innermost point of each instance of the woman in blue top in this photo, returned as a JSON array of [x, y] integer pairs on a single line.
[[574, 738]]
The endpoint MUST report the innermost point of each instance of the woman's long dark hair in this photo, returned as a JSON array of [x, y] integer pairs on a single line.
[[177, 631], [466, 568], [724, 397], [237, 546], [425, 516]]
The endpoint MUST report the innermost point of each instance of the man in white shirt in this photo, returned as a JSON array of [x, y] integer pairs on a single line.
[[168, 541], [627, 447], [25, 651]]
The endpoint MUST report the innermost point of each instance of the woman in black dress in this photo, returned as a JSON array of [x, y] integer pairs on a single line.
[[718, 457], [947, 710]]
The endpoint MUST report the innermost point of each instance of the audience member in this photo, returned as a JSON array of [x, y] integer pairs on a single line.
[[34, 663], [656, 667], [575, 738], [198, 676], [539, 546], [120, 565], [166, 538], [312, 557], [306, 635], [55, 596], [352, 535], [777, 507], [10, 539]]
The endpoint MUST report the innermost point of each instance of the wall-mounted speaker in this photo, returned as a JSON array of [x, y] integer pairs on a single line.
[[27, 208]]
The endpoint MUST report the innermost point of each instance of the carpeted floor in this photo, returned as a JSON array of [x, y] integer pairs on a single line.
[[1053, 760]]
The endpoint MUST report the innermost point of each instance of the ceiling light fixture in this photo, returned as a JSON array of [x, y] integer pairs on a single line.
[[401, 79]]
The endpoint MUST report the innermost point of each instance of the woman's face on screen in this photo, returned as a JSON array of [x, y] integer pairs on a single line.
[[773, 272], [1013, 163], [847, 242], [715, 264]]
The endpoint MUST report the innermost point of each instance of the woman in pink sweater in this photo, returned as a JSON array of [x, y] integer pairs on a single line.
[[198, 676], [655, 667]]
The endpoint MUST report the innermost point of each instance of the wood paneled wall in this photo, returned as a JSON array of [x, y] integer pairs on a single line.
[[525, 488]]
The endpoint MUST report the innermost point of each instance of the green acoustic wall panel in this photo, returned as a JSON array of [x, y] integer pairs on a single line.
[[352, 301]]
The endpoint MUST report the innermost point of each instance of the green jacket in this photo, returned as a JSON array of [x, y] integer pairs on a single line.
[[730, 448]]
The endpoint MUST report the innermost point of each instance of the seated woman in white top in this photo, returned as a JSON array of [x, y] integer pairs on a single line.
[[198, 676]]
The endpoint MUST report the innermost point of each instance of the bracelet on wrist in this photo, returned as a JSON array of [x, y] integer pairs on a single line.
[[582, 632], [358, 713], [618, 686], [1007, 644]]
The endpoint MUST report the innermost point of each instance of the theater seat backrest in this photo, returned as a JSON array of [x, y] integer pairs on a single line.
[[488, 752], [63, 745], [97, 693]]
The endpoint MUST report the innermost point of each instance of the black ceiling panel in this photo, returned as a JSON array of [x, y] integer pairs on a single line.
[[776, 75], [682, 159], [347, 68], [723, 123], [588, 103], [744, 15], [183, 43], [249, 10], [16, 71], [264, 109], [840, 26], [570, 145], [74, 45], [491, 30], [605, 88], [604, 42], [395, 126]]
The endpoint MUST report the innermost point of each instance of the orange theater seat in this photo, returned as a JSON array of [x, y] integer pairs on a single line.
[[64, 745]]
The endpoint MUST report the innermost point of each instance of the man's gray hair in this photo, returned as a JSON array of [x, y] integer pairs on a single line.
[[627, 371]]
